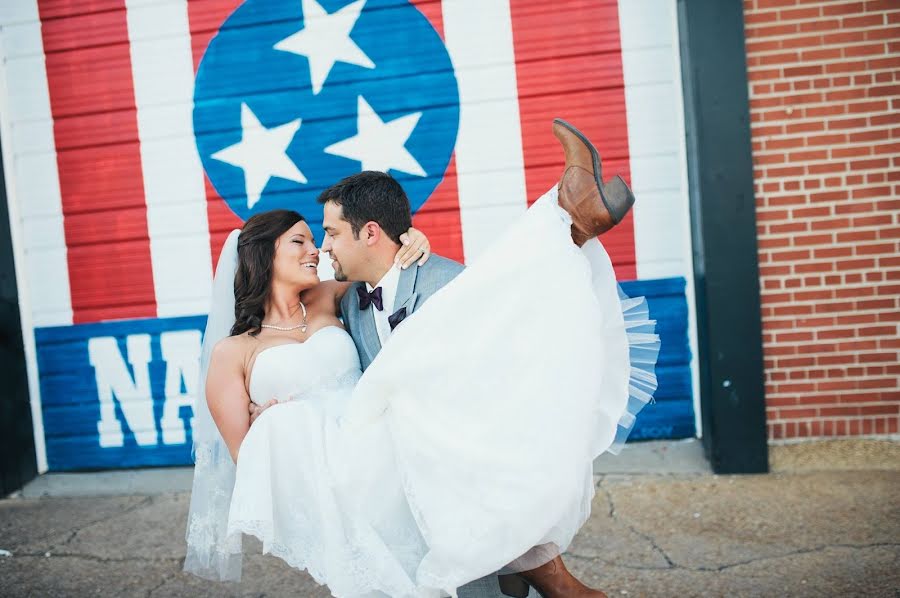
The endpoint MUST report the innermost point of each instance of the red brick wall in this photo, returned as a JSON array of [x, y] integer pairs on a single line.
[[825, 110]]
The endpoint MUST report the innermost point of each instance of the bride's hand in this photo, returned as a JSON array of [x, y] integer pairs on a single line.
[[415, 247]]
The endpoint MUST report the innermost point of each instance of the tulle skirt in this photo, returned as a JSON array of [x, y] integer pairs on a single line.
[[467, 446]]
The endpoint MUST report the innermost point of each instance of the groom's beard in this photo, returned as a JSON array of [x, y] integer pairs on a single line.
[[339, 273]]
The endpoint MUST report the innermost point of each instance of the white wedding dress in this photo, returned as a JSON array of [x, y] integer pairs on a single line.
[[468, 441]]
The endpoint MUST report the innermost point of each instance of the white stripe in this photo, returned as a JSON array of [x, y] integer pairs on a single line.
[[490, 166], [163, 73], [653, 98], [31, 170], [32, 189]]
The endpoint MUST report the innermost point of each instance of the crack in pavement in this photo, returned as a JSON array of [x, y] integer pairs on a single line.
[[634, 530], [164, 581], [51, 535], [95, 558], [611, 511], [674, 565], [146, 501], [819, 548]]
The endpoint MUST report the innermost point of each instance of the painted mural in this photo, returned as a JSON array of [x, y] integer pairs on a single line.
[[137, 135]]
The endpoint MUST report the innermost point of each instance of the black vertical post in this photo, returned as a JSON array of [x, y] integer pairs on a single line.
[[17, 458], [723, 224]]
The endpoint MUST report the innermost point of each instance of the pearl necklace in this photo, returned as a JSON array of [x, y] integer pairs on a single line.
[[302, 325]]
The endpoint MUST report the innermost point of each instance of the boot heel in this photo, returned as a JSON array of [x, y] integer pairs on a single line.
[[513, 585], [618, 198]]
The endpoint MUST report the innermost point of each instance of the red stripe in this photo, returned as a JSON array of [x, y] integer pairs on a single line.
[[439, 216], [569, 64], [204, 18], [99, 160]]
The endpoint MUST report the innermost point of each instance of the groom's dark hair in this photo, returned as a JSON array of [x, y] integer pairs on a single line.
[[371, 196]]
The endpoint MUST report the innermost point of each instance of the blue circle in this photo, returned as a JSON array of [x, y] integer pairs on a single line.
[[413, 73]]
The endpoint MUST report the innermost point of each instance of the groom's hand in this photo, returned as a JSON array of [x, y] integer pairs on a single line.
[[256, 410]]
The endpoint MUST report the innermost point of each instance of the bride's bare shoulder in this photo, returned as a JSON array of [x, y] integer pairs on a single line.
[[231, 349]]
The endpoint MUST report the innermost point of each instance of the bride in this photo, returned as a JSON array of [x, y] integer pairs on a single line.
[[467, 445]]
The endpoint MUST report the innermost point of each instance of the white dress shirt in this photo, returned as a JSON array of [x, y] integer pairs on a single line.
[[388, 284]]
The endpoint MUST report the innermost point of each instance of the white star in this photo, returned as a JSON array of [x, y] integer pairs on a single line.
[[380, 145], [325, 40], [262, 154]]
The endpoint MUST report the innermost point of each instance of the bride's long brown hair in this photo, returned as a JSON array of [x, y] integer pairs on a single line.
[[253, 279]]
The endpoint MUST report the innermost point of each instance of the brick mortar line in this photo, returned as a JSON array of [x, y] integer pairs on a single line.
[[826, 90], [783, 193], [811, 395], [808, 261], [832, 354], [786, 319], [824, 418], [855, 270], [856, 352], [880, 403], [855, 312], [820, 146], [847, 391], [818, 48], [812, 5], [835, 118], [835, 161], [834, 145], [783, 78], [800, 62], [825, 132], [752, 36], [795, 219], [832, 405], [821, 178], [825, 119], [811, 146], [788, 93], [827, 327], [821, 287], [830, 329], [848, 102], [811, 219], [821, 3], [829, 244], [808, 176], [778, 22]]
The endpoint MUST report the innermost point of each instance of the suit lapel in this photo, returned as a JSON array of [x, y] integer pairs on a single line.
[[364, 323], [406, 290]]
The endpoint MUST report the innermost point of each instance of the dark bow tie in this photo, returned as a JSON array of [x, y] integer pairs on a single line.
[[366, 298], [397, 317]]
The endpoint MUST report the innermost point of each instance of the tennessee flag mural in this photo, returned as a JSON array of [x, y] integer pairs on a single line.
[[138, 134]]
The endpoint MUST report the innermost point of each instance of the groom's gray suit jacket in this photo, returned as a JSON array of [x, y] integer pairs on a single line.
[[416, 285]]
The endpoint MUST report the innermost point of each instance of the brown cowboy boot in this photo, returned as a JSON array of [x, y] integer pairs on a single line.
[[551, 580], [595, 207]]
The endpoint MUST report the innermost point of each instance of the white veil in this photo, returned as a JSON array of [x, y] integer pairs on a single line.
[[210, 553]]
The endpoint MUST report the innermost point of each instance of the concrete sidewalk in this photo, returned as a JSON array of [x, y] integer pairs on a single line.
[[789, 533]]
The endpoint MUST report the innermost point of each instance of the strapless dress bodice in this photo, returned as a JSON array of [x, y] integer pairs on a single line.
[[326, 360]]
